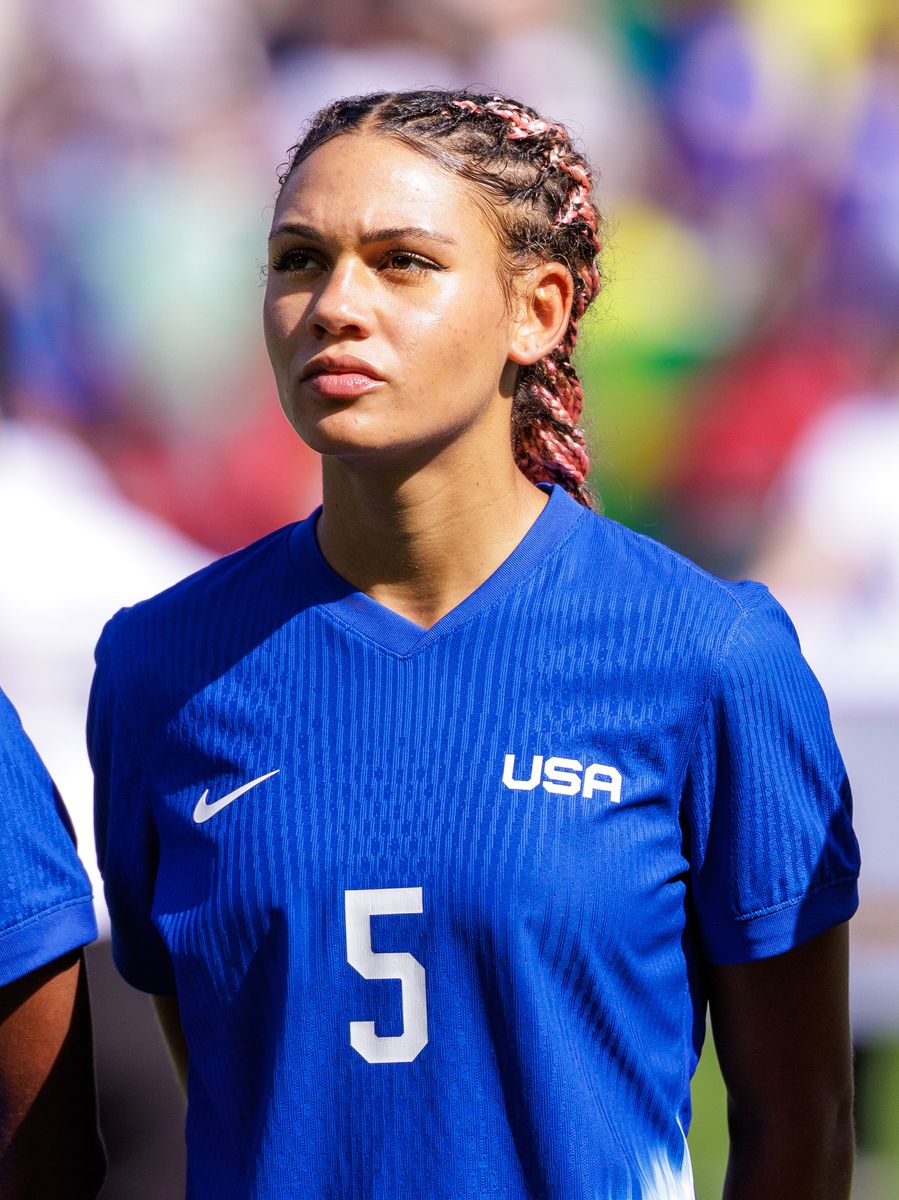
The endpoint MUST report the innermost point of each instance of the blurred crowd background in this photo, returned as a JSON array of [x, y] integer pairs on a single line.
[[741, 366]]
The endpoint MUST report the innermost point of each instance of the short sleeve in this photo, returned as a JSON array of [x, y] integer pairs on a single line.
[[127, 843], [773, 858], [46, 908]]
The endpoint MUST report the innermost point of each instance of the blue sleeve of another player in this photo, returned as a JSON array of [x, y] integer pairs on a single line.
[[774, 860], [45, 896], [127, 845]]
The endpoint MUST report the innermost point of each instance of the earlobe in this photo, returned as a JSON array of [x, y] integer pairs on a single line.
[[545, 311]]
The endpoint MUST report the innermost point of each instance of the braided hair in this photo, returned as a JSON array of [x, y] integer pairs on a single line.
[[538, 188]]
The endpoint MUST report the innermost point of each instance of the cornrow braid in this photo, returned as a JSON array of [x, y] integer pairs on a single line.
[[542, 210]]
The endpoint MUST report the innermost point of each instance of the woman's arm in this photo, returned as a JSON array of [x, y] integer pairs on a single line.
[[49, 1141], [170, 1020], [781, 1029]]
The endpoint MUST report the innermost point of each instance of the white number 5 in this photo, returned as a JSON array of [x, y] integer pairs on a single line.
[[360, 907]]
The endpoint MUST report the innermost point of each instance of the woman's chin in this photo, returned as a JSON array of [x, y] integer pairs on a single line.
[[344, 434]]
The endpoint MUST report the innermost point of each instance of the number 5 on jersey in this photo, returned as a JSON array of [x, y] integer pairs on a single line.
[[360, 907]]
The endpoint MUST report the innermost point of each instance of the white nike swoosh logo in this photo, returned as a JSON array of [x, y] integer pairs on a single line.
[[204, 811]]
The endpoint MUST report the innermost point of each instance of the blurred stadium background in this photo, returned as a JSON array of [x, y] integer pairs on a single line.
[[741, 366]]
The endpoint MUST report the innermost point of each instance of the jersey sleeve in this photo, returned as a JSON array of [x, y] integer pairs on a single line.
[[773, 858], [127, 843], [45, 897]]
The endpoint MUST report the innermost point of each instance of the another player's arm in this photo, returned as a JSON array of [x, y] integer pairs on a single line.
[[781, 1029], [170, 1020], [49, 1141]]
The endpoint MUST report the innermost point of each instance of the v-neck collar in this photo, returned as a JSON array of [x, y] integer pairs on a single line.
[[398, 634]]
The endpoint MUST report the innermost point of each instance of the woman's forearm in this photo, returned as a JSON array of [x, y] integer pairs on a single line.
[[782, 1033], [791, 1155]]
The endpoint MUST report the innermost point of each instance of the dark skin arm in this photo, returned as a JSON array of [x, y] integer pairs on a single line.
[[781, 1029], [49, 1141], [170, 1020]]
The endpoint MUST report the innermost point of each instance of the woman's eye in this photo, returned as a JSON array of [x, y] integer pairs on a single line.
[[293, 260], [409, 264], [399, 262]]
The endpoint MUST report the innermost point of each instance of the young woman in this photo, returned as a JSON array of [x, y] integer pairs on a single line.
[[436, 820]]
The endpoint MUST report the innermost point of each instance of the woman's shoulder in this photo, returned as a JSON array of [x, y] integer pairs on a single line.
[[648, 576], [208, 607]]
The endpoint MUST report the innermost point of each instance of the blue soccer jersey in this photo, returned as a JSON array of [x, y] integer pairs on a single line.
[[45, 897], [435, 903]]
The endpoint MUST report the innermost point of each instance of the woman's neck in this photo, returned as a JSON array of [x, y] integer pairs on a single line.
[[421, 543]]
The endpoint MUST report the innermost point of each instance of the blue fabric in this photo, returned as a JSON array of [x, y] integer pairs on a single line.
[[45, 896], [537, 820]]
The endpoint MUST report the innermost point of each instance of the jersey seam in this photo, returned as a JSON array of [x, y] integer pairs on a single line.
[[781, 905], [325, 609], [715, 675], [688, 1020], [719, 584], [35, 918]]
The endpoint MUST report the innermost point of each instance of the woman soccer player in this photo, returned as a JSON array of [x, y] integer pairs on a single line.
[[436, 820]]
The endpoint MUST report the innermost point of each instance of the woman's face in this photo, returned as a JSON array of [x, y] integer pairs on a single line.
[[385, 316]]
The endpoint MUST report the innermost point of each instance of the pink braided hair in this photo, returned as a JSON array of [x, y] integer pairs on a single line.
[[544, 450], [544, 213]]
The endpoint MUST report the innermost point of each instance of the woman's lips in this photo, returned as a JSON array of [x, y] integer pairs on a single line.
[[342, 383]]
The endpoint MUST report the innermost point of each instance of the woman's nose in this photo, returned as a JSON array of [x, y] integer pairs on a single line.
[[340, 304]]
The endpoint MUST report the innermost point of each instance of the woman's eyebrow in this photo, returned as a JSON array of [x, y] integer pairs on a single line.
[[401, 231], [369, 235]]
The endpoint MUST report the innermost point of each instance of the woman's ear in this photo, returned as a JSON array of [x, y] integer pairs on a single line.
[[543, 311]]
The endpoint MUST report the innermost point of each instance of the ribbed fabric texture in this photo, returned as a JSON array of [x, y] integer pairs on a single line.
[[45, 896], [679, 796]]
